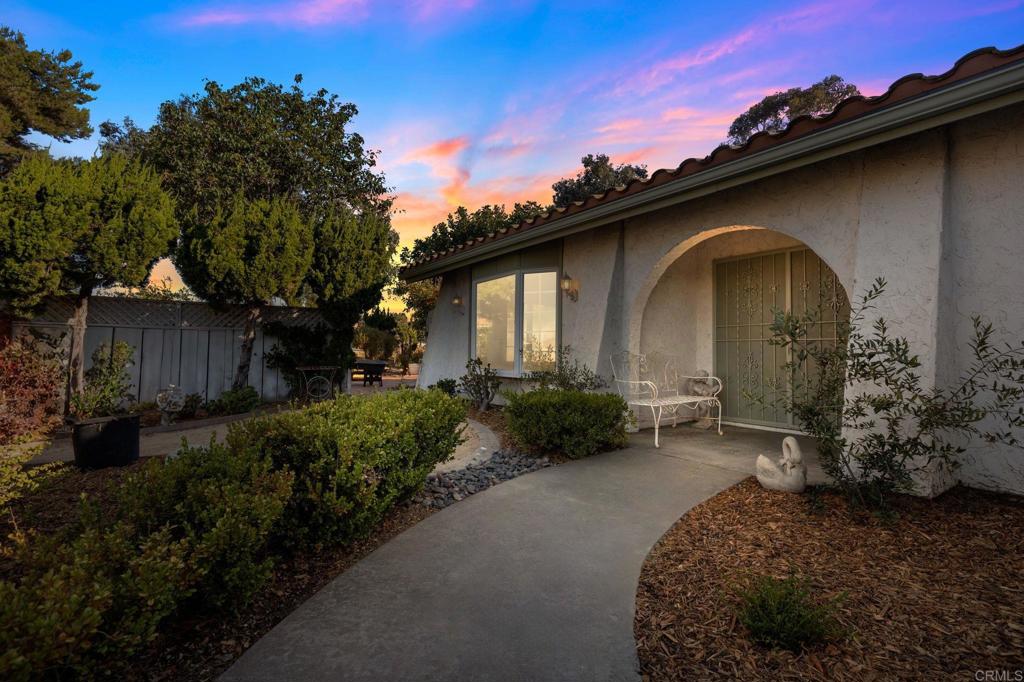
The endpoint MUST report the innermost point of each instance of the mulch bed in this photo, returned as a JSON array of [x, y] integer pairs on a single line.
[[936, 593], [494, 419]]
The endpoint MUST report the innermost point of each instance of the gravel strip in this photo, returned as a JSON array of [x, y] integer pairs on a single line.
[[447, 487]]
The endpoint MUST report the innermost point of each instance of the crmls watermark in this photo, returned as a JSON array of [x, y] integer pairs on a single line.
[[999, 675]]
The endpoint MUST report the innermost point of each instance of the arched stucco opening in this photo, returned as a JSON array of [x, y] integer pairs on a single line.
[[740, 272]]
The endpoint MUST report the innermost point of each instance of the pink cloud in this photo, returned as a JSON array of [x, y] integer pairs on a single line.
[[814, 17], [317, 13], [442, 149]]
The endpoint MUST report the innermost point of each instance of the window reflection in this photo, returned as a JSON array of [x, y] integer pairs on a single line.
[[495, 322], [540, 320]]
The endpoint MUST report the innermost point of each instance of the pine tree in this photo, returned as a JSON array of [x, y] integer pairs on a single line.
[[40, 91]]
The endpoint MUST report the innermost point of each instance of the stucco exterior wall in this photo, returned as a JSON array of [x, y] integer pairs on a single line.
[[937, 214], [983, 264], [447, 331], [679, 316]]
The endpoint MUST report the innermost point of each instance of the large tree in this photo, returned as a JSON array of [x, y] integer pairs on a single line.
[[598, 175], [70, 227], [775, 111], [40, 91], [264, 142], [351, 267], [247, 254]]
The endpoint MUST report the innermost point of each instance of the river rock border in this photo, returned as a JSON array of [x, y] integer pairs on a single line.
[[447, 487]]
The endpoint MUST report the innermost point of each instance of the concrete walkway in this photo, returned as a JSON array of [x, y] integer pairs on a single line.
[[533, 579]]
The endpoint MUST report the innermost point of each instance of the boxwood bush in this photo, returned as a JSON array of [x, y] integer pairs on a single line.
[[353, 458], [574, 423], [200, 531]]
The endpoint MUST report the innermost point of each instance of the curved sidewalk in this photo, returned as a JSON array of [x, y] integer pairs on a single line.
[[533, 579]]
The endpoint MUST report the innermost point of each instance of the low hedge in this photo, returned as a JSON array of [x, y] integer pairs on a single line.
[[353, 458], [574, 423], [194, 528], [201, 531]]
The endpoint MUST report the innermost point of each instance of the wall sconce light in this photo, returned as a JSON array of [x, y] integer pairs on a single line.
[[570, 286], [457, 304]]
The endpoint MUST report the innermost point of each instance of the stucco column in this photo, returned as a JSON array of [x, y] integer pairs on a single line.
[[900, 238], [448, 331], [593, 324]]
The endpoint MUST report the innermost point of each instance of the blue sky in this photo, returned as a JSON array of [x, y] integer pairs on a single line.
[[472, 101]]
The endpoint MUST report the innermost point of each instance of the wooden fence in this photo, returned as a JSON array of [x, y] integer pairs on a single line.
[[190, 345]]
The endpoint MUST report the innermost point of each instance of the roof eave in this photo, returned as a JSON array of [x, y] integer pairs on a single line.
[[959, 100]]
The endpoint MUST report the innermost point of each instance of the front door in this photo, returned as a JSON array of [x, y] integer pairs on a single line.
[[747, 291]]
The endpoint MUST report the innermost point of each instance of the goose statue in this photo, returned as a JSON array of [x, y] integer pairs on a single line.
[[789, 474]]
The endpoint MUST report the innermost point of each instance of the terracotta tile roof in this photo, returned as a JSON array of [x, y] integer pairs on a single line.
[[972, 64]]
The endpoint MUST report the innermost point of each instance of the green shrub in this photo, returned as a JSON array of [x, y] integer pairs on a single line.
[[568, 374], [481, 383], [193, 528], [192, 404], [448, 386], [224, 503], [235, 401], [575, 423], [108, 388], [353, 458], [96, 596], [877, 422], [781, 614]]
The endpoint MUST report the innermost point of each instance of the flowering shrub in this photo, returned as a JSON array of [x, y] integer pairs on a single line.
[[30, 390]]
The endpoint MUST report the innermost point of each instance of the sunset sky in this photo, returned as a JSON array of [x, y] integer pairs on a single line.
[[473, 102]]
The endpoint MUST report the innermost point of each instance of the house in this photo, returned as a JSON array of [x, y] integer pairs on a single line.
[[922, 185]]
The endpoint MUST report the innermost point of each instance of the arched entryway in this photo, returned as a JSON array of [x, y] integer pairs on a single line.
[[710, 307]]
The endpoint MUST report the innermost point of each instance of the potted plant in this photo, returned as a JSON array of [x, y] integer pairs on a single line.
[[103, 431]]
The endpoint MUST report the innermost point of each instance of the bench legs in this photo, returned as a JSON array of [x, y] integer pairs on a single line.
[[656, 411]]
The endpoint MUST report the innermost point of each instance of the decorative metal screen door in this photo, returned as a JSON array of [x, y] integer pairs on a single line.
[[747, 290]]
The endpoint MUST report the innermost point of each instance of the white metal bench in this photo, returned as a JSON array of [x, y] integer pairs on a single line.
[[663, 391]]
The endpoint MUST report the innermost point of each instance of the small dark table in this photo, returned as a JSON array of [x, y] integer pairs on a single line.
[[373, 370]]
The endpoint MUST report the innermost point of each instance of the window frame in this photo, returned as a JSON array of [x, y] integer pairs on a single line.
[[519, 305]]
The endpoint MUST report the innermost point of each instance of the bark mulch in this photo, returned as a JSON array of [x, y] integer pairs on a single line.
[[494, 419], [936, 593]]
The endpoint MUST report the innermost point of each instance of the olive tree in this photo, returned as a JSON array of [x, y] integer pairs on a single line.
[[71, 227]]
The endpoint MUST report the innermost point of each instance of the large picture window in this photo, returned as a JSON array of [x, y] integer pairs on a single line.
[[515, 321]]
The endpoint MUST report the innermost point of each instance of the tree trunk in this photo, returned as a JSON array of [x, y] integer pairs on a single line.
[[76, 354], [245, 355]]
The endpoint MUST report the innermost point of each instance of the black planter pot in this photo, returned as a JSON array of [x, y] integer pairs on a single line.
[[105, 441]]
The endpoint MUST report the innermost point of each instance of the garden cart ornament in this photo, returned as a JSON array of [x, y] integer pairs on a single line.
[[789, 474]]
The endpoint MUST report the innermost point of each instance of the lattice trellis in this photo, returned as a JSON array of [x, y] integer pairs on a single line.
[[136, 313]]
